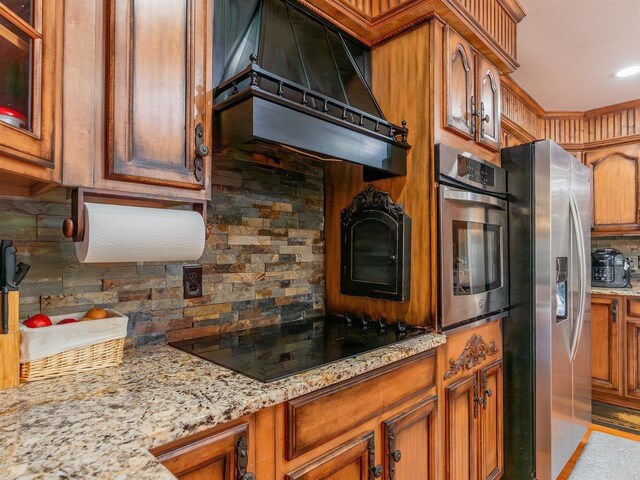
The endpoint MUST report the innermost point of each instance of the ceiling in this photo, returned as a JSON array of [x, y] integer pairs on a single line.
[[570, 50]]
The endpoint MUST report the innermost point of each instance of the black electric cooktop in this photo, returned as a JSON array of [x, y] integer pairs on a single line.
[[274, 352]]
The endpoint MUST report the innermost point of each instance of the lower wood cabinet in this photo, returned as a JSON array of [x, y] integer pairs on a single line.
[[473, 419], [405, 421], [615, 343], [633, 367], [410, 438], [472, 392], [461, 429], [221, 455], [353, 460], [605, 344], [491, 453]]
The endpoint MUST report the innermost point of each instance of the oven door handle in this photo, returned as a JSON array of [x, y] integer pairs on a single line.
[[477, 198]]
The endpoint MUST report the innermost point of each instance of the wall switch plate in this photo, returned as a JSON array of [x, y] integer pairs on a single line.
[[192, 281]]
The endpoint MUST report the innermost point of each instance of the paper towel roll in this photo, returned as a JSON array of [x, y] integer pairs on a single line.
[[116, 233]]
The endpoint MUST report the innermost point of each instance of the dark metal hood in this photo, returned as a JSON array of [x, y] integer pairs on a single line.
[[289, 82]]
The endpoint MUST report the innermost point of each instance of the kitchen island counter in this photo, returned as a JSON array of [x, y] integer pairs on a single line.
[[101, 424]]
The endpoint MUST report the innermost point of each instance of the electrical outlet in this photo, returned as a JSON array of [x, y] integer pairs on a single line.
[[192, 281]]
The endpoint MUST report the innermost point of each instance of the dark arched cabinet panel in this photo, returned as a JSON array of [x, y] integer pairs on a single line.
[[376, 247]]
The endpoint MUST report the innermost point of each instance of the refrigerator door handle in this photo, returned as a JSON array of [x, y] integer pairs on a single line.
[[577, 227]]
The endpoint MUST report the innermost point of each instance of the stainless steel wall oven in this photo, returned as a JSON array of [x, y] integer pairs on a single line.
[[472, 216]]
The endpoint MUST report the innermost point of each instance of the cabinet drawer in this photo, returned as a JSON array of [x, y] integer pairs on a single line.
[[315, 418]]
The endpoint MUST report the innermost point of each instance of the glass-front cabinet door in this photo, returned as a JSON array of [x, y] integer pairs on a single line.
[[30, 85]]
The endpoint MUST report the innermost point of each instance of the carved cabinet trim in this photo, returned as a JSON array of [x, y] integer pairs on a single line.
[[475, 352]]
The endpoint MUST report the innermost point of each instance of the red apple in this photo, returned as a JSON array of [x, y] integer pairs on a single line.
[[37, 321], [67, 320]]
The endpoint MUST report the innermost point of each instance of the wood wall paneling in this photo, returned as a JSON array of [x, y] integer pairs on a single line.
[[522, 117], [490, 25], [615, 122], [401, 73], [599, 128], [496, 19], [564, 128]]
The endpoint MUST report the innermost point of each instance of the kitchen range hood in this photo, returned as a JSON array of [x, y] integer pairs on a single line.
[[289, 83]]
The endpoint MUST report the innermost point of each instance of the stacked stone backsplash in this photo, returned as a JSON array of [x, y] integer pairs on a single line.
[[628, 246], [263, 263]]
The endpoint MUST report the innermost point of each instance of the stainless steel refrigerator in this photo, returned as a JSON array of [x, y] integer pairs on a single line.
[[547, 360]]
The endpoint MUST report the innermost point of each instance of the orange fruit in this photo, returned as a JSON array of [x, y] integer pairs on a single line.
[[95, 314]]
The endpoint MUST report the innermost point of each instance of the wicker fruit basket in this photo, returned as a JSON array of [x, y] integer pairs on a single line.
[[59, 350]]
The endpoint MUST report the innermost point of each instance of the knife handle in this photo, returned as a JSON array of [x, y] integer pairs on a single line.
[[10, 267], [5, 310]]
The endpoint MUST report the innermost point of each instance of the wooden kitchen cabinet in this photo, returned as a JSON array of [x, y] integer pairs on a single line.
[[633, 366], [472, 388], [353, 461], [605, 343], [491, 454], [410, 439], [488, 103], [473, 418], [30, 94], [616, 188], [226, 454], [459, 84], [137, 94], [392, 408], [461, 430], [472, 92], [615, 342], [381, 424], [156, 86]]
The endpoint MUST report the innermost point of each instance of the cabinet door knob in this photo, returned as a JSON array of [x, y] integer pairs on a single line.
[[397, 455], [203, 150], [377, 471]]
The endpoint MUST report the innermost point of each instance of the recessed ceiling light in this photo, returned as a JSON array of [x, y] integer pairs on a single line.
[[628, 72]]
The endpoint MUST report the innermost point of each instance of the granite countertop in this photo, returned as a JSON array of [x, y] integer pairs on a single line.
[[634, 291], [101, 424]]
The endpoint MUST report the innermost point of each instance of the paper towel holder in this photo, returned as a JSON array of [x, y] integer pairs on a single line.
[[73, 226]]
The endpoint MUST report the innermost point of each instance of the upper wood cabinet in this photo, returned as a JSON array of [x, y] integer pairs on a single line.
[[488, 103], [605, 343], [459, 84], [472, 92], [30, 92], [156, 87], [616, 188]]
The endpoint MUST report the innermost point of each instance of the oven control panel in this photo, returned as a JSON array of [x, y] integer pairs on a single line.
[[476, 171]]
